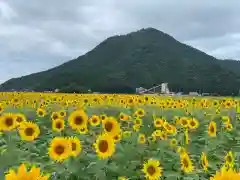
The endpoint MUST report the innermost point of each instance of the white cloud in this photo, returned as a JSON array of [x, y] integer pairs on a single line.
[[41, 34]]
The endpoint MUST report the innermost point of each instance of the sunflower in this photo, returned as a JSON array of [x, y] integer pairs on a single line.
[[193, 123], [58, 125], [138, 121], [186, 163], [117, 137], [184, 122], [157, 133], [173, 142], [94, 120], [169, 128], [139, 112], [158, 122], [152, 169], [226, 175], [8, 122], [226, 119], [212, 129], [136, 127], [78, 119], [130, 101], [216, 103], [104, 146], [75, 145], [228, 126], [204, 161], [60, 149], [124, 117], [229, 159], [62, 113], [20, 118], [103, 117], [141, 139], [111, 126], [163, 135], [29, 131], [83, 130], [55, 115], [23, 174], [41, 112]]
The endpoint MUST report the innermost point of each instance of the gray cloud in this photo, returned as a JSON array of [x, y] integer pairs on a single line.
[[41, 34]]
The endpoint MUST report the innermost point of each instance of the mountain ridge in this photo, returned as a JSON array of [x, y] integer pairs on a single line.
[[142, 58]]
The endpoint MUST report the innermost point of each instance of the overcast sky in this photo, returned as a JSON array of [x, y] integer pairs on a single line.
[[39, 34]]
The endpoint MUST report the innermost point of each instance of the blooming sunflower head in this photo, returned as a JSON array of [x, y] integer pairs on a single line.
[[186, 163], [29, 131], [22, 173], [8, 122], [75, 146], [226, 175], [104, 146], [111, 126], [141, 139], [94, 120], [152, 169], [78, 119], [204, 161], [58, 125], [60, 149], [212, 129]]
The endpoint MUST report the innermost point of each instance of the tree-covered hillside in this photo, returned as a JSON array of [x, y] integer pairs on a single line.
[[143, 58]]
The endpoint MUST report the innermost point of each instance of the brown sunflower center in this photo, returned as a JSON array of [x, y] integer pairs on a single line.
[[74, 146], [229, 159], [116, 137], [40, 113], [151, 170], [55, 116], [58, 125], [192, 123], [103, 146], [78, 120], [94, 120], [212, 129], [184, 122], [140, 112], [59, 149], [169, 128], [19, 119], [185, 163], [9, 121], [108, 126], [29, 131]]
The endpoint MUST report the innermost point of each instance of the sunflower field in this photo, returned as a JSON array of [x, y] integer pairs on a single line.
[[118, 137]]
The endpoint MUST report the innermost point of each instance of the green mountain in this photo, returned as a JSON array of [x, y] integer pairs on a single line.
[[139, 59]]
